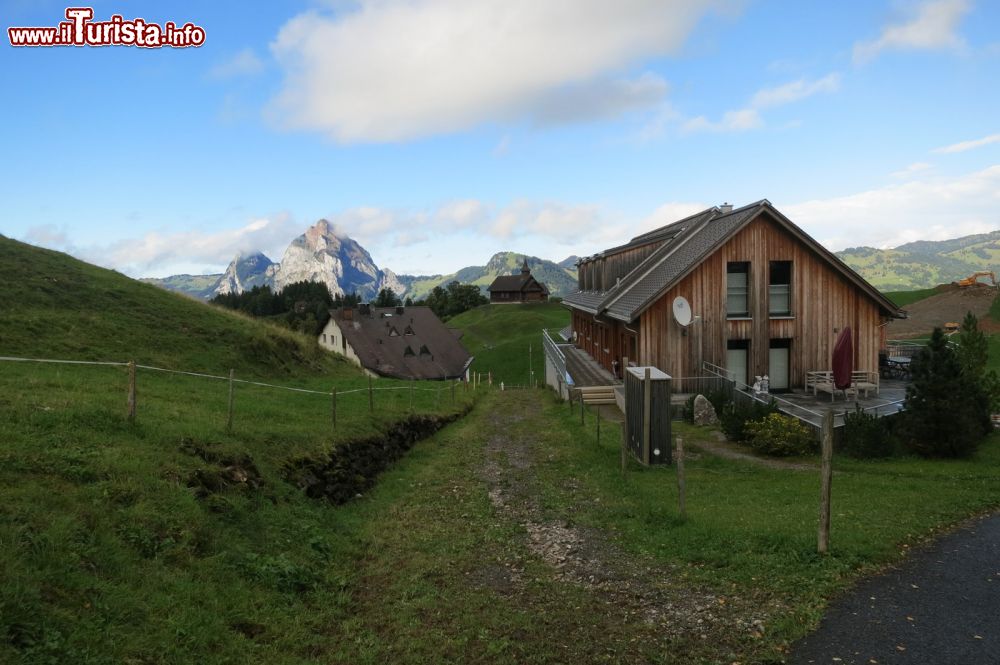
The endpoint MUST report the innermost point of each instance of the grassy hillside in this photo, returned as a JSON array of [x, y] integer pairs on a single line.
[[504, 338], [62, 308], [925, 264], [904, 298], [174, 539]]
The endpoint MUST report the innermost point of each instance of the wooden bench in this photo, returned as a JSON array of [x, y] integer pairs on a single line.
[[861, 381]]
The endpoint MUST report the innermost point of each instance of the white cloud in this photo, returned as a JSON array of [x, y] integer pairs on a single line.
[[928, 209], [794, 91], [156, 252], [748, 118], [462, 214], [47, 235], [911, 170], [732, 121], [667, 214], [969, 145], [933, 25], [244, 63], [391, 70]]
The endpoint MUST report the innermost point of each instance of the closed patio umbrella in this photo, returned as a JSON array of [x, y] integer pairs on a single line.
[[843, 359]]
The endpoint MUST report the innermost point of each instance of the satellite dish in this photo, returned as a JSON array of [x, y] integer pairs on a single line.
[[682, 311]]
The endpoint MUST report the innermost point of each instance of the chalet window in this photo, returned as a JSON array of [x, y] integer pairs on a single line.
[[780, 288], [324, 338], [408, 330], [407, 352], [738, 290]]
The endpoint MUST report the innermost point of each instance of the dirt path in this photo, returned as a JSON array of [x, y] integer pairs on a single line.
[[649, 595]]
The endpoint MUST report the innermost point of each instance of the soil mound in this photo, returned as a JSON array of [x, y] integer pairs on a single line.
[[950, 304]]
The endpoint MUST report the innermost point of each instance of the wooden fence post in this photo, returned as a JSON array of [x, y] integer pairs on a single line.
[[681, 482], [826, 477], [371, 396], [333, 406], [131, 391], [232, 390]]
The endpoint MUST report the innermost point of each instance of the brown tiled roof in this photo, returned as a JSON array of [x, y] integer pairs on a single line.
[[404, 343]]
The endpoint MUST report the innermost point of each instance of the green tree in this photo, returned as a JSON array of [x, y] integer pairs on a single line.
[[387, 298], [944, 411], [973, 355]]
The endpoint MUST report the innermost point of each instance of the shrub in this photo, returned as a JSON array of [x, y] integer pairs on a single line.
[[735, 415], [779, 435], [866, 436]]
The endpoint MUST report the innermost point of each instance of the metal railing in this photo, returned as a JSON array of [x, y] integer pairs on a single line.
[[553, 352]]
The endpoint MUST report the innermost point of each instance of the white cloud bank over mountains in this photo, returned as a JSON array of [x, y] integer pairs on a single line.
[[924, 207]]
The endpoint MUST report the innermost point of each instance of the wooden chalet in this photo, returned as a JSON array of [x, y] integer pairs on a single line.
[[518, 288], [396, 342], [765, 297]]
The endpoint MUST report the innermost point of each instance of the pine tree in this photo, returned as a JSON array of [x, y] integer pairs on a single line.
[[943, 416]]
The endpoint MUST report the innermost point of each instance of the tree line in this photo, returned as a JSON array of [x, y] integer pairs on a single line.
[[305, 306]]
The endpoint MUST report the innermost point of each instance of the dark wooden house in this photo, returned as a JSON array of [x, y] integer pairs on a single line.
[[518, 288], [765, 297], [396, 342]]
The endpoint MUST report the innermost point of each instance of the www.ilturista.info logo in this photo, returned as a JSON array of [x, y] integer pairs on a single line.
[[81, 30]]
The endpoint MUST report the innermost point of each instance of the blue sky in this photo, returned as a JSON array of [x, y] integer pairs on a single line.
[[438, 132]]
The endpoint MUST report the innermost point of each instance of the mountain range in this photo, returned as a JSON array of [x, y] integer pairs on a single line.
[[925, 264], [324, 255]]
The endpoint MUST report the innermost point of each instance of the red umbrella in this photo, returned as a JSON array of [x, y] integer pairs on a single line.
[[843, 359]]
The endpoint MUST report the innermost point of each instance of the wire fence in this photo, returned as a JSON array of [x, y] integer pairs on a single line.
[[472, 381]]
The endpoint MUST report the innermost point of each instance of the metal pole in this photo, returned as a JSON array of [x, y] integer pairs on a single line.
[[334, 406]]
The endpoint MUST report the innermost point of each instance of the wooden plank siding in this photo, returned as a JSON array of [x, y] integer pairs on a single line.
[[823, 302], [601, 273]]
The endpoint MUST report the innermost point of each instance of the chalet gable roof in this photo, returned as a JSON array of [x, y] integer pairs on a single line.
[[405, 343], [520, 282], [685, 245]]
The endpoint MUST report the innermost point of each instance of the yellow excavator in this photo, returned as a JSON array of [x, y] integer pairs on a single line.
[[974, 278]]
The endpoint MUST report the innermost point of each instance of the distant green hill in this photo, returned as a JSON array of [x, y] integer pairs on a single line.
[[925, 264], [196, 286], [559, 280]]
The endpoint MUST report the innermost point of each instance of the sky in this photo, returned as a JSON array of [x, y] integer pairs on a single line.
[[438, 132]]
